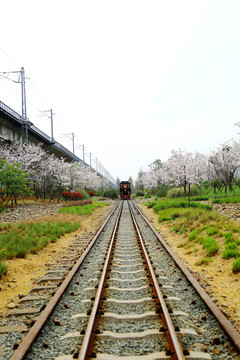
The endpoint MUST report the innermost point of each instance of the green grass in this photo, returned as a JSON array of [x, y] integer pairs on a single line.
[[82, 210], [2, 209], [177, 203], [25, 238], [204, 261], [236, 265], [22, 239], [211, 246], [227, 200], [3, 269], [199, 224], [231, 251]]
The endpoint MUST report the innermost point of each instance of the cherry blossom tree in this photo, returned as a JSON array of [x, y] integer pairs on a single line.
[[49, 174], [149, 179], [225, 162], [184, 169]]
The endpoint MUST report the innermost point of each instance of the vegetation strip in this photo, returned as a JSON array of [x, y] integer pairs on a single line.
[[225, 323], [202, 227], [30, 237]]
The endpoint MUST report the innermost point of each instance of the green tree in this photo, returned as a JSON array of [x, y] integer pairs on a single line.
[[13, 180]]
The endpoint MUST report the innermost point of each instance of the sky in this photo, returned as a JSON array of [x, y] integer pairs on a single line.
[[131, 79]]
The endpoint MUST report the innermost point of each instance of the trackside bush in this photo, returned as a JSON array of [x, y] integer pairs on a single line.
[[179, 192], [139, 193], [111, 193], [85, 194], [175, 193], [162, 191]]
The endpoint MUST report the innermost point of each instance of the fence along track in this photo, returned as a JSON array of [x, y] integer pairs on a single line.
[[86, 351]]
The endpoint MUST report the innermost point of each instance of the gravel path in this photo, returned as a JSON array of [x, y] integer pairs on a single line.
[[29, 212]]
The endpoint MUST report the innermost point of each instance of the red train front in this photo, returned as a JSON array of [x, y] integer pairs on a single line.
[[125, 190]]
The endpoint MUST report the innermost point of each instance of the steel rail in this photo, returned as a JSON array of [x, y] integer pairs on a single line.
[[221, 318], [86, 347], [28, 340], [175, 347]]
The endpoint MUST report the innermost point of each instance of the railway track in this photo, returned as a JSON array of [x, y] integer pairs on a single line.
[[126, 298]]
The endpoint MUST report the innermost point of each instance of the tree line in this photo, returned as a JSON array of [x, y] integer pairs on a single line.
[[183, 169], [29, 169]]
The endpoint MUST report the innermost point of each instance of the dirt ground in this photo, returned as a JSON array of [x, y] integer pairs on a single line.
[[216, 277]]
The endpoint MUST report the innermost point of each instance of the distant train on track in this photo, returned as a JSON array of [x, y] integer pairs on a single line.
[[125, 190]]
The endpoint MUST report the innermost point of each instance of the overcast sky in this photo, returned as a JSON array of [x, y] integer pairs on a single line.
[[131, 79]]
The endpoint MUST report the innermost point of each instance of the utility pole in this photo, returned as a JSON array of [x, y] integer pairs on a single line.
[[96, 165], [24, 108], [21, 79], [83, 147], [50, 117], [73, 141], [90, 159], [72, 136]]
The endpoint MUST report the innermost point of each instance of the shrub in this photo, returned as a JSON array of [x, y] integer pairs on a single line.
[[195, 190], [111, 193], [85, 194], [71, 195], [179, 192], [91, 193], [139, 193], [162, 191], [175, 193]]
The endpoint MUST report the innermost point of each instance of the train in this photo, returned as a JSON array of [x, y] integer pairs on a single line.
[[125, 190]]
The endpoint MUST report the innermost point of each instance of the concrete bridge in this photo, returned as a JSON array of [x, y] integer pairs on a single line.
[[11, 129]]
